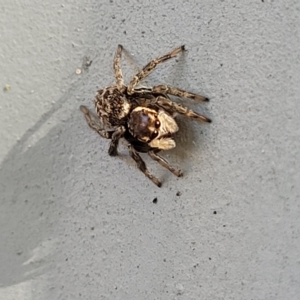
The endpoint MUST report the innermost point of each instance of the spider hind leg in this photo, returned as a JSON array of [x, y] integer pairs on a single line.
[[95, 123]]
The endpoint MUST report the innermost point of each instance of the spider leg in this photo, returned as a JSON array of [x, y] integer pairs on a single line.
[[117, 68], [142, 166], [154, 155], [95, 123], [113, 147], [150, 67], [171, 106], [165, 89]]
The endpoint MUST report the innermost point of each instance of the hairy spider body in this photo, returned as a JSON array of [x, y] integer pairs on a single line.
[[142, 116]]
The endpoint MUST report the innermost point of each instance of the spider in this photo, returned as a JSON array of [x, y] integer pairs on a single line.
[[143, 116]]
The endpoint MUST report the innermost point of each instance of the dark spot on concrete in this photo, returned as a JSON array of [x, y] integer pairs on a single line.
[[178, 193], [86, 63], [155, 200], [215, 212]]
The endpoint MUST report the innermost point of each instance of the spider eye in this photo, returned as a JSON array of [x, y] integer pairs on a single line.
[[154, 134], [157, 124]]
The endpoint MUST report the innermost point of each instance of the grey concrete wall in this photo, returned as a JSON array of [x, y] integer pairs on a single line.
[[78, 224]]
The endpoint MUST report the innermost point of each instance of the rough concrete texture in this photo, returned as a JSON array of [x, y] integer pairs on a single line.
[[78, 224]]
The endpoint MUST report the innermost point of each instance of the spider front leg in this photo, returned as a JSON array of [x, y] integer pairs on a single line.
[[172, 107], [113, 147], [170, 90], [117, 68], [150, 67], [154, 155], [95, 123], [142, 166]]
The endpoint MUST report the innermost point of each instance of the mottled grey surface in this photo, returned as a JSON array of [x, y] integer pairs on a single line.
[[78, 224]]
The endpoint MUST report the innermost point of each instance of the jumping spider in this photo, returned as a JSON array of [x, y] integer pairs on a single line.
[[143, 116]]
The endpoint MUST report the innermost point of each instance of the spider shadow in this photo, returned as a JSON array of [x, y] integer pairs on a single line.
[[31, 191], [188, 142]]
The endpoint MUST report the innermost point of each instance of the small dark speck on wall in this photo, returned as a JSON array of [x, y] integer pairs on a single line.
[[215, 212], [155, 200]]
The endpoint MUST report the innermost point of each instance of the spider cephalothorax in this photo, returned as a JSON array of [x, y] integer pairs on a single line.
[[156, 128], [143, 124], [143, 116]]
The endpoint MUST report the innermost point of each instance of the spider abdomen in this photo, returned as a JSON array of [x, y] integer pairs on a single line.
[[112, 106]]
